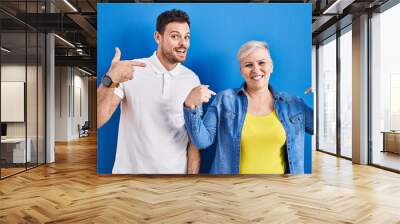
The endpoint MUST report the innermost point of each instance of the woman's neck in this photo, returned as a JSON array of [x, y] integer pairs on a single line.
[[258, 93]]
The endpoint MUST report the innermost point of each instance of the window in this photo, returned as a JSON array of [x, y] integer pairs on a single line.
[[327, 95], [385, 88], [346, 92]]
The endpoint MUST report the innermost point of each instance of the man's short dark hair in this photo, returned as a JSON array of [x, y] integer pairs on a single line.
[[174, 15]]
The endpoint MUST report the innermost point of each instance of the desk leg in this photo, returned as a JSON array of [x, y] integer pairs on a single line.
[[384, 142]]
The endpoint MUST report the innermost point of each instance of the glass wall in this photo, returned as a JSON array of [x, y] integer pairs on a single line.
[[335, 73], [13, 89], [385, 88], [346, 92], [327, 95], [41, 97], [22, 90]]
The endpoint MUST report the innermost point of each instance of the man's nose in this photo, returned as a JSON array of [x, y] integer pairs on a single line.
[[183, 42]]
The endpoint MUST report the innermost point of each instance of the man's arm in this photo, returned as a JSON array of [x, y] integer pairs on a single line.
[[107, 100], [193, 160]]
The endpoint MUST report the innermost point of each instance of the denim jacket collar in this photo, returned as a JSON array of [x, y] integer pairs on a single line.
[[277, 95]]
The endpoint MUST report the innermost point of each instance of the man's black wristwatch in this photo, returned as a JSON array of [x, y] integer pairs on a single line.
[[107, 82]]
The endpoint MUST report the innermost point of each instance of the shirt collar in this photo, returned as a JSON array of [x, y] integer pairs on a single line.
[[160, 69], [275, 94]]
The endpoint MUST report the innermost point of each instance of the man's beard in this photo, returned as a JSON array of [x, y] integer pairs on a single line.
[[170, 57]]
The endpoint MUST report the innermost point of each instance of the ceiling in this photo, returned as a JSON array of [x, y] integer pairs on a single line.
[[75, 21], [72, 20]]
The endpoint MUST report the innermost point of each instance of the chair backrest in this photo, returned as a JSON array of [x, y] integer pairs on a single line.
[[86, 125]]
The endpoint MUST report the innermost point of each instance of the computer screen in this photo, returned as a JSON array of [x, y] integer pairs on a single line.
[[3, 129]]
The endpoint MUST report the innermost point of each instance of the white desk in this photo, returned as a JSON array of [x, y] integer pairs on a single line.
[[18, 150]]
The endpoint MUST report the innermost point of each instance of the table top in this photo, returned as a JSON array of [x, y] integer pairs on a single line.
[[13, 140], [391, 132]]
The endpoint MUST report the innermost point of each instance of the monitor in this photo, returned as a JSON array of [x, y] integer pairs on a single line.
[[3, 129]]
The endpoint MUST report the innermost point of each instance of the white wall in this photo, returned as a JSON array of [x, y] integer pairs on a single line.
[[61, 103], [80, 97], [70, 84]]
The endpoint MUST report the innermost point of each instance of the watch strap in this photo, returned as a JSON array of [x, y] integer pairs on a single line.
[[114, 85]]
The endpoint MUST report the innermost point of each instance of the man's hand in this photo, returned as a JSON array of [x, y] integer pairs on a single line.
[[122, 71], [193, 164], [198, 95]]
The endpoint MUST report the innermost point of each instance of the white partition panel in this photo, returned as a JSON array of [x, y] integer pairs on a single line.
[[12, 101]]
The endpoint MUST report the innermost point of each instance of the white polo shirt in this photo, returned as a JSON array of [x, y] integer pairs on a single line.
[[152, 138]]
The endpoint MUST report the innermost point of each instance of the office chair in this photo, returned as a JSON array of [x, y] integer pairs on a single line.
[[84, 130]]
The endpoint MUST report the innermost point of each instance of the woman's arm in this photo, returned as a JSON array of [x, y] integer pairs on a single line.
[[201, 131]]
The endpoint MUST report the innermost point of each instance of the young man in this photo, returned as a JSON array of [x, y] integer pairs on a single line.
[[152, 138]]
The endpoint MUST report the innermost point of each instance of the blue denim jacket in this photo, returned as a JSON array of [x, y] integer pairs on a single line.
[[224, 120]]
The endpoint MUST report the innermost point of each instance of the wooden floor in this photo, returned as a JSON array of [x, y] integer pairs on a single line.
[[5, 172], [70, 191], [387, 159]]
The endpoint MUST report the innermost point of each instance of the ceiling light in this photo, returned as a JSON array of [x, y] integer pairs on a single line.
[[70, 5], [337, 7], [5, 50], [84, 71], [333, 6], [64, 40]]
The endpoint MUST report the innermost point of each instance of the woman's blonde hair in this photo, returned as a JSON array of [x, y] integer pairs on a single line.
[[248, 47]]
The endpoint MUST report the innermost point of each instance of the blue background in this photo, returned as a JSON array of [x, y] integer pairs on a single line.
[[217, 32]]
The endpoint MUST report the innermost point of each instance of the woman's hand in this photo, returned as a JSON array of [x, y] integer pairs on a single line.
[[198, 95]]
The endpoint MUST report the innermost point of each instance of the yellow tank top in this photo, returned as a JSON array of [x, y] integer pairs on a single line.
[[262, 145]]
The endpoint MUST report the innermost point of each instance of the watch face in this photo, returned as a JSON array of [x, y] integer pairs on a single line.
[[106, 81]]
